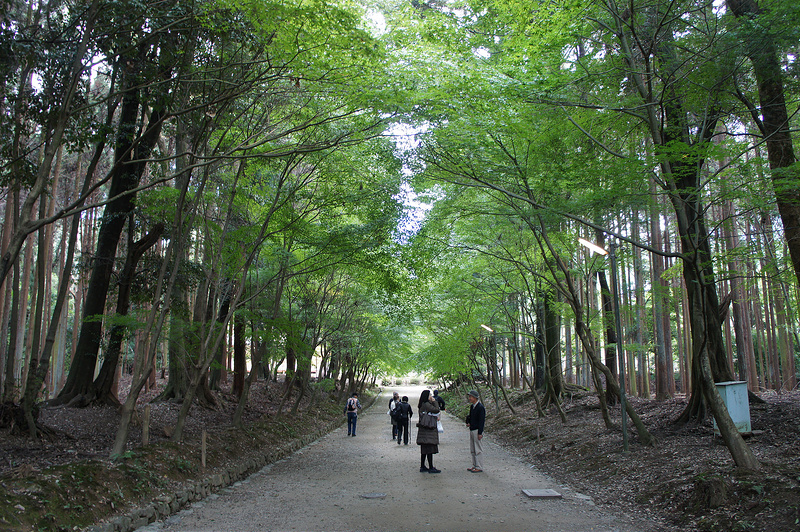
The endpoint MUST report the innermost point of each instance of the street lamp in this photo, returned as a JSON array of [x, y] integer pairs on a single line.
[[494, 360], [612, 255]]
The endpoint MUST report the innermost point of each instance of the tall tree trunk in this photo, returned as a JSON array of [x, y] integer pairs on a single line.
[[9, 388], [35, 326], [239, 356], [219, 357], [774, 124], [179, 339], [704, 308], [125, 178], [681, 175], [666, 318], [259, 349], [6, 291], [568, 353], [38, 374], [750, 311], [781, 344], [553, 347], [643, 359], [106, 378], [626, 354], [23, 324], [539, 350], [165, 287]]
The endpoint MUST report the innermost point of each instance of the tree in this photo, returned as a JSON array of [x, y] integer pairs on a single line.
[[771, 117], [137, 133], [676, 106]]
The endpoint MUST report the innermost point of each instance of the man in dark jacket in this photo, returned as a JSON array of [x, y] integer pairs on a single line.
[[404, 413], [439, 400], [476, 421]]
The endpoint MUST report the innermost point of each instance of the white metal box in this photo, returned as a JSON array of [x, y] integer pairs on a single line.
[[734, 395]]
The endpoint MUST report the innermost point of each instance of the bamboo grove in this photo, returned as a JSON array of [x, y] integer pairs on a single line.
[[350, 190]]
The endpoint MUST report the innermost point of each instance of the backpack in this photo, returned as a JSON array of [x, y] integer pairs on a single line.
[[351, 405], [401, 411]]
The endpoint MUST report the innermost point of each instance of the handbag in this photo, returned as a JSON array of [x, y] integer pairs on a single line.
[[428, 421]]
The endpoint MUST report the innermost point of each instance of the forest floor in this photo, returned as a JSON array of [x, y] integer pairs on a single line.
[[66, 482], [689, 478]]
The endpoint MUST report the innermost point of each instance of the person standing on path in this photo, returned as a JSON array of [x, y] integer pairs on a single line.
[[427, 438], [476, 421], [393, 402], [439, 400], [351, 409], [404, 413]]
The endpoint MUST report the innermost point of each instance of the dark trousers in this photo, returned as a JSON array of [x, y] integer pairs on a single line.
[[402, 431], [352, 419]]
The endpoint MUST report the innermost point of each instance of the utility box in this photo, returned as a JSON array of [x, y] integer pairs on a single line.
[[734, 395]]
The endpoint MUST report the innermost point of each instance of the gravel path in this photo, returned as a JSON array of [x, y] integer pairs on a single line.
[[369, 483]]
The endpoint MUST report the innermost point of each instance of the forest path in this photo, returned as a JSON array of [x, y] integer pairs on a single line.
[[322, 487]]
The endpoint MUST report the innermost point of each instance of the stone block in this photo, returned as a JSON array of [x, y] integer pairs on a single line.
[[122, 523], [163, 508], [542, 493]]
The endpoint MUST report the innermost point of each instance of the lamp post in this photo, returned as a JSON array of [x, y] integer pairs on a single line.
[[612, 255], [494, 360]]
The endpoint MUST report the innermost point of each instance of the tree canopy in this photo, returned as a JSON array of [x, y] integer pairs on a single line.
[[344, 192]]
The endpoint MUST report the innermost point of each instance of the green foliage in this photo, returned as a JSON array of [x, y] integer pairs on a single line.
[[325, 385]]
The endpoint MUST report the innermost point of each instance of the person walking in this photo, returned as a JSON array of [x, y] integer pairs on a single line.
[[351, 409], [476, 421], [427, 435], [404, 413], [440, 402], [393, 402]]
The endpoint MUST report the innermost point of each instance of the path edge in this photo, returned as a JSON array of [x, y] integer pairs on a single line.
[[167, 505]]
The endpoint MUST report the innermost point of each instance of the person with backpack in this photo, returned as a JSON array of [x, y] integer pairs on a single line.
[[351, 408], [393, 402], [403, 414]]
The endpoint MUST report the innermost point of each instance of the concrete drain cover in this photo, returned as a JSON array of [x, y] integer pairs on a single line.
[[374, 496], [542, 494]]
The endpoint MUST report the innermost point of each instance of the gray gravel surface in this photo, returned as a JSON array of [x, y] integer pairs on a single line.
[[370, 483]]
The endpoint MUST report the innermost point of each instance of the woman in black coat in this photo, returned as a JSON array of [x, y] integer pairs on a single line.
[[427, 439]]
